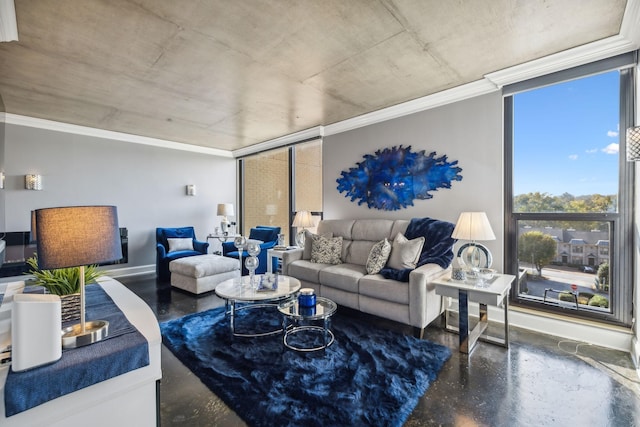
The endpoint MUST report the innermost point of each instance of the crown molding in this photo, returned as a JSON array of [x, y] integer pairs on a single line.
[[459, 93], [630, 29], [601, 49], [303, 135], [15, 119]]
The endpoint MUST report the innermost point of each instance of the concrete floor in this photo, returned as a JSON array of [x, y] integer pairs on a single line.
[[539, 381]]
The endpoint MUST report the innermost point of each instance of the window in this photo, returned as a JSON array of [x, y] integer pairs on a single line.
[[276, 183], [569, 190]]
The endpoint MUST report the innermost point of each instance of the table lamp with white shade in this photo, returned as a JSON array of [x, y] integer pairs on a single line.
[[302, 220], [474, 226], [225, 210], [76, 236]]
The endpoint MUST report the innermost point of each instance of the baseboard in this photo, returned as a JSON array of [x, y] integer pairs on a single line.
[[614, 337], [603, 335], [635, 352], [131, 271]]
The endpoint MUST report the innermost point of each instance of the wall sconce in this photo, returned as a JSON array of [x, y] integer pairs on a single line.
[[191, 190], [1, 180], [633, 144], [33, 182]]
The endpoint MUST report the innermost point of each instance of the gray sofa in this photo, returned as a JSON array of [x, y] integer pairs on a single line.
[[414, 303]]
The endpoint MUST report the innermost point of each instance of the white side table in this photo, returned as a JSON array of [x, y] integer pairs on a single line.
[[273, 253], [496, 294]]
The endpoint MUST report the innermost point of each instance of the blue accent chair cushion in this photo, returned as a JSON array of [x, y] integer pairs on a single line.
[[268, 236], [164, 257]]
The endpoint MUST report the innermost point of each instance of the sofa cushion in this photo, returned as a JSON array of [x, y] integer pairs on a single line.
[[342, 276], [357, 251], [180, 244], [373, 230], [326, 250], [306, 271], [378, 256], [376, 286], [405, 253], [338, 227]]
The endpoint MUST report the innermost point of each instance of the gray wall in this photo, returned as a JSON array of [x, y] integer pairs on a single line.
[[469, 131], [146, 183]]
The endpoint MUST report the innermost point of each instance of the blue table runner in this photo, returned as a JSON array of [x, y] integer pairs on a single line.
[[125, 349]]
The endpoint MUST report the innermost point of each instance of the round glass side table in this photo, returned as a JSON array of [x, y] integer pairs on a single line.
[[308, 320]]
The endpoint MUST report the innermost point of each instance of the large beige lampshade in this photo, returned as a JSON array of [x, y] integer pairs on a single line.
[[473, 226], [302, 220]]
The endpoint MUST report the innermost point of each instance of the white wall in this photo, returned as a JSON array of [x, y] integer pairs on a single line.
[[146, 183], [469, 131]]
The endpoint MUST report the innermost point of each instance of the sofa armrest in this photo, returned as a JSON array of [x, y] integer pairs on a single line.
[[424, 304], [290, 256]]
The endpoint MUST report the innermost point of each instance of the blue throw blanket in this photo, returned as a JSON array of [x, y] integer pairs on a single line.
[[437, 249], [124, 350]]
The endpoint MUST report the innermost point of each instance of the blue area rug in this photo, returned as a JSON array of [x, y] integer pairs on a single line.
[[368, 376]]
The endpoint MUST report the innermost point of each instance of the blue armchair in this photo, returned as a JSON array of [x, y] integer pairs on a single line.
[[178, 247], [269, 237]]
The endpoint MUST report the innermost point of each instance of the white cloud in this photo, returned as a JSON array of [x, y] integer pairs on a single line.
[[592, 151], [573, 157], [612, 133], [612, 148]]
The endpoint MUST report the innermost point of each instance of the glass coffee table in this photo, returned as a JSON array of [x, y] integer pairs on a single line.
[[239, 294], [298, 320]]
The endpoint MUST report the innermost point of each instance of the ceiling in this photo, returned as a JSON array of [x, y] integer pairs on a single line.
[[228, 74]]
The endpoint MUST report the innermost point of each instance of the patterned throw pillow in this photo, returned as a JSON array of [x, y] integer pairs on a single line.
[[405, 253], [308, 242], [326, 250], [378, 256]]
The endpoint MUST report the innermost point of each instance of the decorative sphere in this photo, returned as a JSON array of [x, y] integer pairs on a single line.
[[239, 242], [251, 263], [253, 248]]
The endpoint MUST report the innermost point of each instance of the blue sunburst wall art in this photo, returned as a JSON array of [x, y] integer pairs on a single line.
[[392, 178]]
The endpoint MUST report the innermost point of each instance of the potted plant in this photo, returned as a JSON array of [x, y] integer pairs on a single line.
[[64, 282]]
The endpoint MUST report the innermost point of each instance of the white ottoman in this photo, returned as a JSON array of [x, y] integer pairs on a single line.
[[201, 273]]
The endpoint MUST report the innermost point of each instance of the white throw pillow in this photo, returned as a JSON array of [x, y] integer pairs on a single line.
[[405, 253], [378, 256], [326, 250], [180, 244]]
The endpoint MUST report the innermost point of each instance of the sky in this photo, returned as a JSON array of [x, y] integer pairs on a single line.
[[566, 137]]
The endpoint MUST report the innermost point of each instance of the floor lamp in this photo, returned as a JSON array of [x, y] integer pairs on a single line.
[[76, 236]]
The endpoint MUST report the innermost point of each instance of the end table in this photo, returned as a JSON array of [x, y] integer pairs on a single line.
[[496, 293]]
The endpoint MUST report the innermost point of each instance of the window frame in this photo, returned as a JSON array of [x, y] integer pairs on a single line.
[[291, 182], [621, 234]]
